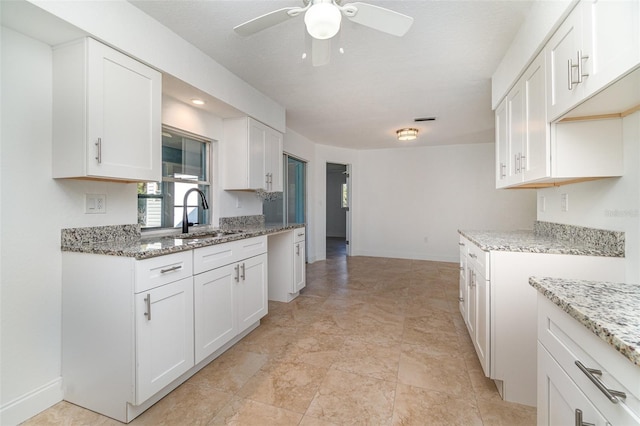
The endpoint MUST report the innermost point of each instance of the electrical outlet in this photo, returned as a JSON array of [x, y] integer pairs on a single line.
[[564, 202], [95, 203]]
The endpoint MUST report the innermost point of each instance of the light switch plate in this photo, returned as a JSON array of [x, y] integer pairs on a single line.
[[95, 203]]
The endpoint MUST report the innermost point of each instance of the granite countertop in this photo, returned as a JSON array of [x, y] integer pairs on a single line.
[[610, 310], [132, 244], [551, 238]]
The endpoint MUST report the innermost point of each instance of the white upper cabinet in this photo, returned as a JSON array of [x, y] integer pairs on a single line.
[[251, 156], [106, 114], [598, 43], [522, 130]]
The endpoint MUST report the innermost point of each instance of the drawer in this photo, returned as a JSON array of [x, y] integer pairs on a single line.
[[215, 256], [479, 258], [569, 341], [161, 270], [299, 235]]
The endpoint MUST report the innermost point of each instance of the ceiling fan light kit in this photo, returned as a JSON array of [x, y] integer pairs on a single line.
[[323, 20], [407, 134]]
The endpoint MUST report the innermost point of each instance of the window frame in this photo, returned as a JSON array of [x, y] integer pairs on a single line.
[[208, 145]]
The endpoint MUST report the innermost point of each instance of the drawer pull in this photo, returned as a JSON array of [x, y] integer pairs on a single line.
[[173, 268], [301, 234], [473, 256], [579, 421], [461, 244], [147, 300], [591, 373]]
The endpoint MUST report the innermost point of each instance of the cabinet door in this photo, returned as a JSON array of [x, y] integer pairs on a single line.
[[516, 129], [257, 167], [123, 117], [164, 336], [214, 310], [561, 48], [470, 301], [298, 266], [481, 340], [536, 157], [612, 40], [560, 400], [273, 142], [502, 145], [252, 291]]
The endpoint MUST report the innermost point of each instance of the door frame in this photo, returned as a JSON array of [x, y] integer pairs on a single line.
[[348, 215]]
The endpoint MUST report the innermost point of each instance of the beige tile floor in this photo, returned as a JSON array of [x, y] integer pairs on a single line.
[[370, 341]]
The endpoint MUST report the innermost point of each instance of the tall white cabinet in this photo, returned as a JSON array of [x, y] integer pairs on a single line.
[[106, 114], [287, 249], [252, 156]]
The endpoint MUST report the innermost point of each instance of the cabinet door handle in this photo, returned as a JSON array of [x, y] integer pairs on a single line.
[[237, 269], [579, 421], [148, 302], [298, 249], [591, 373], [503, 170], [569, 75], [523, 165], [99, 149], [243, 272], [580, 59], [173, 268], [473, 256]]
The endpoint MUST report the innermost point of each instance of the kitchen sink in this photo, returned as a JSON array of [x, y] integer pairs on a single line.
[[214, 234]]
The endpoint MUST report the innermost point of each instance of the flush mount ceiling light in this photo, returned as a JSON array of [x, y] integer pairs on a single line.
[[323, 20], [407, 134], [196, 101]]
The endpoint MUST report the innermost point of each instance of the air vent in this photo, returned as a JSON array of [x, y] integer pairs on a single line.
[[424, 119]]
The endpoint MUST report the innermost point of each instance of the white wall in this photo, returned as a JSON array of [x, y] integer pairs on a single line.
[[405, 196], [35, 208], [612, 204]]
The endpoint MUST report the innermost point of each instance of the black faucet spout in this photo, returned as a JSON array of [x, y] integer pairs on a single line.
[[185, 215]]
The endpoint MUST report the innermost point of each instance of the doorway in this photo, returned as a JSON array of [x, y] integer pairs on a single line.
[[338, 201]]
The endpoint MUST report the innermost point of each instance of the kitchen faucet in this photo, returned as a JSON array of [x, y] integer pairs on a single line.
[[185, 219]]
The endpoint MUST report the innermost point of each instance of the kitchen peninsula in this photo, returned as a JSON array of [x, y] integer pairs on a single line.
[[499, 305]]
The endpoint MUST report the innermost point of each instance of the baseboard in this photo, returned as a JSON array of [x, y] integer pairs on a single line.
[[407, 255], [31, 403]]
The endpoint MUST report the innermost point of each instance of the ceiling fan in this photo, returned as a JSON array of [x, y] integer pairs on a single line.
[[322, 19]]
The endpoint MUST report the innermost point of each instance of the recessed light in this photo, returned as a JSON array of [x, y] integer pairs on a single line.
[[196, 101]]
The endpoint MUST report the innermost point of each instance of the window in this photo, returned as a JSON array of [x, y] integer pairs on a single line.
[[185, 165]]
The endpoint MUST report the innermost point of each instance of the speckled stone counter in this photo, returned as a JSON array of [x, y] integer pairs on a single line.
[[551, 238], [127, 240], [610, 310]]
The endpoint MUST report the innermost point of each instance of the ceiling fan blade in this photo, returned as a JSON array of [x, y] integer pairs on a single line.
[[320, 51], [265, 21], [378, 18]]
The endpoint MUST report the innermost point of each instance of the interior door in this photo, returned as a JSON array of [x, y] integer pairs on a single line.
[[348, 209]]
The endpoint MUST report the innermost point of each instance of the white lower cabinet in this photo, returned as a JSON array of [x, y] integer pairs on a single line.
[[216, 319], [133, 330], [230, 292], [287, 249], [164, 336], [566, 393], [560, 401], [499, 308]]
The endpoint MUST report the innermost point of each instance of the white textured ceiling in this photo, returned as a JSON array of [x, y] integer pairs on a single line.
[[442, 67]]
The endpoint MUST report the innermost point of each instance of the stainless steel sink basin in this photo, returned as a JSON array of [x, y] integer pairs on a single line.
[[214, 234]]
